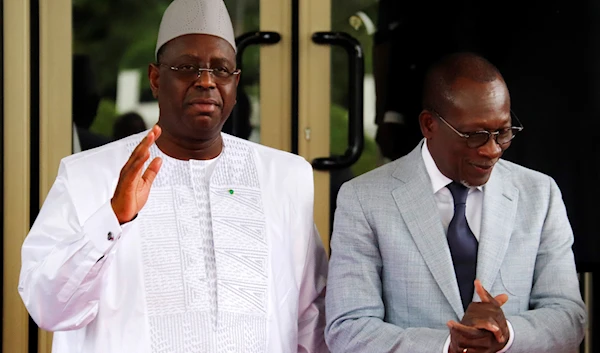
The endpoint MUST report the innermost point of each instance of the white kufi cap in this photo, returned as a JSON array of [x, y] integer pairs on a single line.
[[195, 17]]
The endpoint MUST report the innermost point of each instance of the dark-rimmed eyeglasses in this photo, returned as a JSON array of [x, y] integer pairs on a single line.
[[479, 138], [190, 72]]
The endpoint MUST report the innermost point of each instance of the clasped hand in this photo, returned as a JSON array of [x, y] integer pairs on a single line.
[[483, 328]]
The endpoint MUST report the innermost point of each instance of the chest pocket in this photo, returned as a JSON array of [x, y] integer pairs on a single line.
[[518, 267]]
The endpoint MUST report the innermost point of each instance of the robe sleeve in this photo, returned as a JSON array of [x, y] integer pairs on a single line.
[[63, 261], [311, 305]]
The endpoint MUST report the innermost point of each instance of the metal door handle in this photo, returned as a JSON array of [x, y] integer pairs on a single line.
[[355, 98], [242, 43]]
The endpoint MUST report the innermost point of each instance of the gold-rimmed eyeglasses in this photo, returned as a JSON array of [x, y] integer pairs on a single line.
[[479, 138], [190, 72]]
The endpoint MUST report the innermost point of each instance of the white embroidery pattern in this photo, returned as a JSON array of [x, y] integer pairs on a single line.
[[205, 255]]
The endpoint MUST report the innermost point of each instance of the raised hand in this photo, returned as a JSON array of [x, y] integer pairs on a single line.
[[133, 187]]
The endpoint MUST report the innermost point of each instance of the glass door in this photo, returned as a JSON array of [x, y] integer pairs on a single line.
[[100, 92], [336, 125], [336, 82], [299, 85]]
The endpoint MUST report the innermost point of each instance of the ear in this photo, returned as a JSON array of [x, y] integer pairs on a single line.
[[427, 123], [154, 77]]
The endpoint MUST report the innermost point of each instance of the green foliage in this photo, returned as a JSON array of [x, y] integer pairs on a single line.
[[121, 34], [107, 114], [116, 34], [339, 142], [342, 11]]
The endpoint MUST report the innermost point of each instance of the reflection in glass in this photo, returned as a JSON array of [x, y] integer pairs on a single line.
[[357, 18]]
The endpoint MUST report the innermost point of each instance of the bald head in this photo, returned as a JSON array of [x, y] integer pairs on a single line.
[[438, 85], [468, 95]]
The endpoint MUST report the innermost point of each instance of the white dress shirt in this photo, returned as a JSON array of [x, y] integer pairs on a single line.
[[445, 204], [444, 200]]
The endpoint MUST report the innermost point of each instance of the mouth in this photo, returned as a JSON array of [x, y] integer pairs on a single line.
[[204, 101], [204, 105], [483, 168]]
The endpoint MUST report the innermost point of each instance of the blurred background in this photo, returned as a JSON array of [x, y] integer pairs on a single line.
[[74, 76]]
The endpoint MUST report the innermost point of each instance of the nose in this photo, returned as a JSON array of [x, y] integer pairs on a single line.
[[491, 149], [205, 80]]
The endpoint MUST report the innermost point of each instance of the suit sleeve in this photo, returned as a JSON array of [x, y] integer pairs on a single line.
[[354, 303], [63, 260], [556, 321]]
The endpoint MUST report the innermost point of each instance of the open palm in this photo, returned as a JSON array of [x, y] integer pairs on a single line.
[[133, 187]]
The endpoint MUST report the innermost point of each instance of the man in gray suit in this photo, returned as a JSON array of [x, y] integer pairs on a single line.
[[417, 242]]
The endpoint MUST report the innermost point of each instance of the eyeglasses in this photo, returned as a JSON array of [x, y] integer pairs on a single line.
[[479, 138], [190, 72]]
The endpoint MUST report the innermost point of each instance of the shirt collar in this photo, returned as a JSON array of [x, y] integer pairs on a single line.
[[438, 180]]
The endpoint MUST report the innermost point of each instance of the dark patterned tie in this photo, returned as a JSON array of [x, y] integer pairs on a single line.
[[463, 245]]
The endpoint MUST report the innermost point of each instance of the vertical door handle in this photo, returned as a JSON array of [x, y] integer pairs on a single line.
[[242, 43], [356, 65]]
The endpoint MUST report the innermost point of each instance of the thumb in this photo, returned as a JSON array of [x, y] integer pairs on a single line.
[[501, 299]]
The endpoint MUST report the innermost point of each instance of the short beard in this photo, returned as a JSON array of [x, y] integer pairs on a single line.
[[466, 184]]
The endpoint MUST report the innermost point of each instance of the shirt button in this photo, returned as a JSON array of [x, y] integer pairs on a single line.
[[110, 236]]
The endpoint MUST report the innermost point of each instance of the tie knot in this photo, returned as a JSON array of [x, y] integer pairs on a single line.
[[459, 192]]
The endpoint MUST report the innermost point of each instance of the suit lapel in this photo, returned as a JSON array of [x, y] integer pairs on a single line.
[[500, 200], [415, 201]]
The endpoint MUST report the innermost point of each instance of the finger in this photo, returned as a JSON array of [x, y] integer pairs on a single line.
[[501, 299], [485, 296], [157, 131], [466, 331], [461, 327], [490, 326], [140, 151], [150, 138], [136, 167], [147, 141], [133, 156], [152, 171]]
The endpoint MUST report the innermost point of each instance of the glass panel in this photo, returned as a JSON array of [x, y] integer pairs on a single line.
[[357, 18], [112, 49], [245, 15]]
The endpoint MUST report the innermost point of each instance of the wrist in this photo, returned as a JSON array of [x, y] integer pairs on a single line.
[[122, 220]]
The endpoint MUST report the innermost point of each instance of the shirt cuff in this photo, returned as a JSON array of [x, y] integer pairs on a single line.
[[103, 228], [511, 333], [446, 345]]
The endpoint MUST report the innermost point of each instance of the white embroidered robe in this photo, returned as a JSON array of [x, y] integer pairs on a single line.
[[224, 256]]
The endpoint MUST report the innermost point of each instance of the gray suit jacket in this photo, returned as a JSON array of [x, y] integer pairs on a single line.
[[392, 287]]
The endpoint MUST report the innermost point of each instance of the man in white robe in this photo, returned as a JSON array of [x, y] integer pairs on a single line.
[[181, 239]]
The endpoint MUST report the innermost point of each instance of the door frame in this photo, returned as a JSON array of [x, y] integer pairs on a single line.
[[16, 143], [314, 103]]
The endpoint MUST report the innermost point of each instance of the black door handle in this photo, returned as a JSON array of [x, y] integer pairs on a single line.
[[253, 38], [356, 65], [234, 125]]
